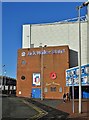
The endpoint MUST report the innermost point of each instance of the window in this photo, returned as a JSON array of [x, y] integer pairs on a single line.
[[53, 89], [23, 62], [60, 89], [45, 89], [23, 77]]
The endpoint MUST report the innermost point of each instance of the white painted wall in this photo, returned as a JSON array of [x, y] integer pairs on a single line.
[[88, 42], [59, 34], [26, 36]]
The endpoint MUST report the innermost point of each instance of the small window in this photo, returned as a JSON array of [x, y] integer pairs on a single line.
[[23, 77], [60, 89], [23, 62], [45, 89], [53, 89]]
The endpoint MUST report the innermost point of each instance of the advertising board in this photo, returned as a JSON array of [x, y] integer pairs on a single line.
[[36, 79], [72, 76]]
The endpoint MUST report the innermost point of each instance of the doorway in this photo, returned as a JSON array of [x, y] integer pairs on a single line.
[[36, 93]]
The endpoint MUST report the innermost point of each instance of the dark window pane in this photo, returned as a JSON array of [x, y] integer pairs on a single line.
[[53, 89]]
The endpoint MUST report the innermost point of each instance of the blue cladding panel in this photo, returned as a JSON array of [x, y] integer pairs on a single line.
[[36, 93], [85, 95], [72, 76]]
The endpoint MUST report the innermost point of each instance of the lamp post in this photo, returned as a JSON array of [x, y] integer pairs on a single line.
[[79, 8], [73, 93], [41, 72], [30, 35]]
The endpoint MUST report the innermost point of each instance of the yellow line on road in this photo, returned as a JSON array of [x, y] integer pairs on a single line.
[[40, 111]]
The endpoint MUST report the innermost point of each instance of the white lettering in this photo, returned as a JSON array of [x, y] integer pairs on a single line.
[[44, 52]]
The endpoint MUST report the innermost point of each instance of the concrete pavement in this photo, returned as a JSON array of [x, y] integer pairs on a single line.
[[0, 106], [14, 107], [53, 114], [68, 107]]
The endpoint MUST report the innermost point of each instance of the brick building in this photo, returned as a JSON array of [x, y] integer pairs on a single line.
[[41, 72], [66, 33]]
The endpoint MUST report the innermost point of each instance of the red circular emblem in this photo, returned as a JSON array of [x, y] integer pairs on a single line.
[[53, 75]]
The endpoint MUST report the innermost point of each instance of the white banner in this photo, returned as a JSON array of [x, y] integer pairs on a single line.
[[36, 79]]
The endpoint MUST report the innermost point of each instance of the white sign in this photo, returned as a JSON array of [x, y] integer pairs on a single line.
[[44, 52], [72, 76], [36, 79], [23, 54]]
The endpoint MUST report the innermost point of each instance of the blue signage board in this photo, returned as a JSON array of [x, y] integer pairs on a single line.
[[72, 76]]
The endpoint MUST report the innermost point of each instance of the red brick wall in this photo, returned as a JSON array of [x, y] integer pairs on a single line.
[[57, 63]]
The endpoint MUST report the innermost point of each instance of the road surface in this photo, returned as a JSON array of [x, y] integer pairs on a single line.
[[14, 107]]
